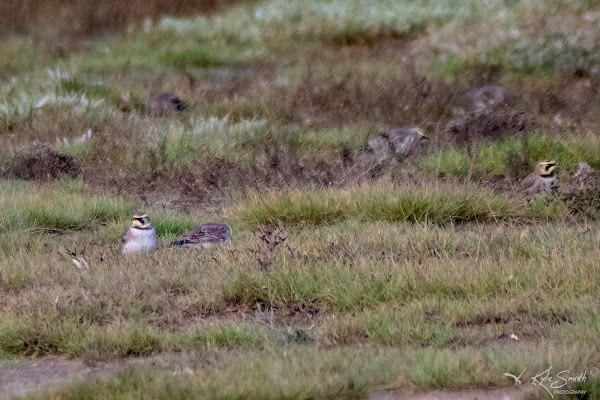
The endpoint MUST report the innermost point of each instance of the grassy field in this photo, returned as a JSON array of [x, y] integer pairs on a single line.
[[345, 275]]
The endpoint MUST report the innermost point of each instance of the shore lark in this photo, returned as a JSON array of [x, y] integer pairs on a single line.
[[165, 103], [404, 141], [141, 236], [205, 236], [542, 180]]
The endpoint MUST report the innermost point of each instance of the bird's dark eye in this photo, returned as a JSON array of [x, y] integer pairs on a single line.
[[178, 104]]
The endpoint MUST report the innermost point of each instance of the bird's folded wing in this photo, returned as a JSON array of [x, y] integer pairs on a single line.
[[201, 235], [127, 236]]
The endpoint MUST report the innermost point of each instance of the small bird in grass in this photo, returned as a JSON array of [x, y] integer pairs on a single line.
[[404, 141], [542, 180], [205, 236], [398, 142], [165, 103], [141, 236]]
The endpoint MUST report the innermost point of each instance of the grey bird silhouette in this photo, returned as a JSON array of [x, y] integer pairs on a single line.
[[165, 103], [404, 141]]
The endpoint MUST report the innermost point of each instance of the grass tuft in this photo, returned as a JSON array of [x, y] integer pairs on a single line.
[[59, 207], [411, 204]]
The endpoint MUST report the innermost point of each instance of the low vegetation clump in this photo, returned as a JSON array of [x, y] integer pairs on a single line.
[[442, 205], [41, 162]]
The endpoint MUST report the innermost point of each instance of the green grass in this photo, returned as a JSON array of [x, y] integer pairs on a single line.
[[61, 207], [448, 162], [191, 142], [113, 341], [77, 86], [21, 55], [183, 58], [100, 93], [447, 204], [68, 206], [493, 158], [568, 152], [370, 273], [157, 49], [340, 373]]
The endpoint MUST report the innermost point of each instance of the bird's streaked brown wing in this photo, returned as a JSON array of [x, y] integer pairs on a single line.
[[529, 184], [207, 233]]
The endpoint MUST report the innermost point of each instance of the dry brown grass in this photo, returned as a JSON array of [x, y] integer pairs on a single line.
[[333, 100], [85, 17]]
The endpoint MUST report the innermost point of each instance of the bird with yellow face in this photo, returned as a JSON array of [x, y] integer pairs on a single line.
[[541, 181], [141, 236]]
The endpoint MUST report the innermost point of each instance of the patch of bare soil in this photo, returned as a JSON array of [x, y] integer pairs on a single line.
[[508, 393], [378, 39], [18, 378], [182, 190], [489, 125], [208, 184], [41, 162]]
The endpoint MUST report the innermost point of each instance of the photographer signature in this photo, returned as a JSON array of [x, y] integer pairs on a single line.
[[549, 381]]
